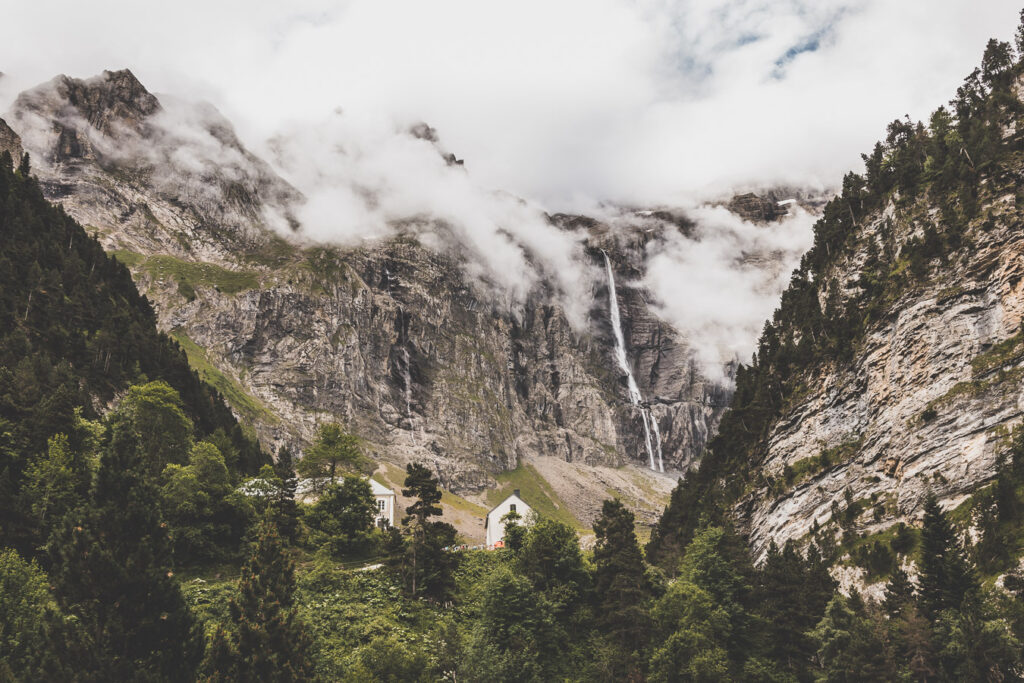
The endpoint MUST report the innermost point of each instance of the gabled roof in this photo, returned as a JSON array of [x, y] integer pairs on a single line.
[[515, 495], [380, 489], [506, 499]]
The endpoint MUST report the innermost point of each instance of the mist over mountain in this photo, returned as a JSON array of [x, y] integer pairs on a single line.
[[460, 302], [449, 341]]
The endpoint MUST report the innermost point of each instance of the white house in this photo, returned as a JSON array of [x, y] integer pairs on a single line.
[[384, 498], [493, 525]]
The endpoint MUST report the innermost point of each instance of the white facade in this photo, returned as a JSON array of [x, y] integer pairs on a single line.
[[384, 499], [493, 525]]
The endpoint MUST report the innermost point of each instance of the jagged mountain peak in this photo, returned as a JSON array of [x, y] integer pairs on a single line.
[[111, 149], [108, 99]]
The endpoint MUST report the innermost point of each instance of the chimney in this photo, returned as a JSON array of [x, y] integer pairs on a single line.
[[515, 492]]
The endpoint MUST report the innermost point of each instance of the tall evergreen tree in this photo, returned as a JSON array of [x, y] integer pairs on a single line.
[[899, 593], [342, 519], [111, 566], [207, 517], [333, 452], [946, 579], [269, 643], [850, 646], [791, 606], [37, 641], [514, 636], [285, 508], [56, 483], [426, 567], [550, 558], [621, 588]]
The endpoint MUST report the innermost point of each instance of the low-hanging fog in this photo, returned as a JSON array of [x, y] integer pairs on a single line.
[[567, 106]]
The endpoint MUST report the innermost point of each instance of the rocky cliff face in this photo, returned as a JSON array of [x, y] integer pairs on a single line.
[[934, 388], [10, 142], [928, 403], [392, 338], [154, 177]]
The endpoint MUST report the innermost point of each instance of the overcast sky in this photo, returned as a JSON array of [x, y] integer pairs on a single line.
[[563, 102], [572, 105]]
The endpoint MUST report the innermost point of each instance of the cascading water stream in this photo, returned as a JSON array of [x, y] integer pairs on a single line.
[[407, 376], [650, 424], [657, 440]]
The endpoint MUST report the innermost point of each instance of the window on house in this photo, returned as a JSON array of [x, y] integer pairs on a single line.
[[512, 507], [380, 505]]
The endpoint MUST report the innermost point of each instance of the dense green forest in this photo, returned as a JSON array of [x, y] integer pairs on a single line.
[[145, 537]]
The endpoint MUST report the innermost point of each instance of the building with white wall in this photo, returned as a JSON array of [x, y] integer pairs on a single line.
[[493, 525], [384, 499]]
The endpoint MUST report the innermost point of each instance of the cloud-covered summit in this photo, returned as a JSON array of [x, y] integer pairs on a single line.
[[579, 106], [631, 101]]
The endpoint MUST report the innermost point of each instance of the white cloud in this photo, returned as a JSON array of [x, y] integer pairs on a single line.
[[719, 284], [565, 104], [628, 100]]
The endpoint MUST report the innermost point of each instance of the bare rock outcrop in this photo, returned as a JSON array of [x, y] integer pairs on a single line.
[[928, 402], [10, 142], [394, 339]]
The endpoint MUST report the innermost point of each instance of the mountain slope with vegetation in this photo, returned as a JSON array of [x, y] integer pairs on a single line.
[[74, 335], [892, 368], [395, 338], [142, 551]]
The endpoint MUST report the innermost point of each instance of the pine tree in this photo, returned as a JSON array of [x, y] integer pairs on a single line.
[[850, 647], [56, 483], [899, 593], [37, 643], [515, 532], [819, 586], [514, 637], [946, 578], [111, 566], [426, 567], [421, 484], [270, 643], [285, 508], [788, 607], [621, 587], [333, 451], [342, 519]]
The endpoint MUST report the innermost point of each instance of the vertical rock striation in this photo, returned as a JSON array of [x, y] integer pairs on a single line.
[[392, 338]]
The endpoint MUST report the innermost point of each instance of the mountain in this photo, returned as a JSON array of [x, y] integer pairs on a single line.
[[164, 175], [74, 334], [893, 366], [10, 142], [857, 513], [393, 338]]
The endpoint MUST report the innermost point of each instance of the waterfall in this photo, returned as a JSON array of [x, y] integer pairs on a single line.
[[650, 423], [620, 342], [657, 440], [647, 437], [407, 376]]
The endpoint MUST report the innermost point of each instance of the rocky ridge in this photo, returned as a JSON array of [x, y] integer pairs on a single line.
[[933, 391], [927, 405], [10, 142], [391, 338]]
